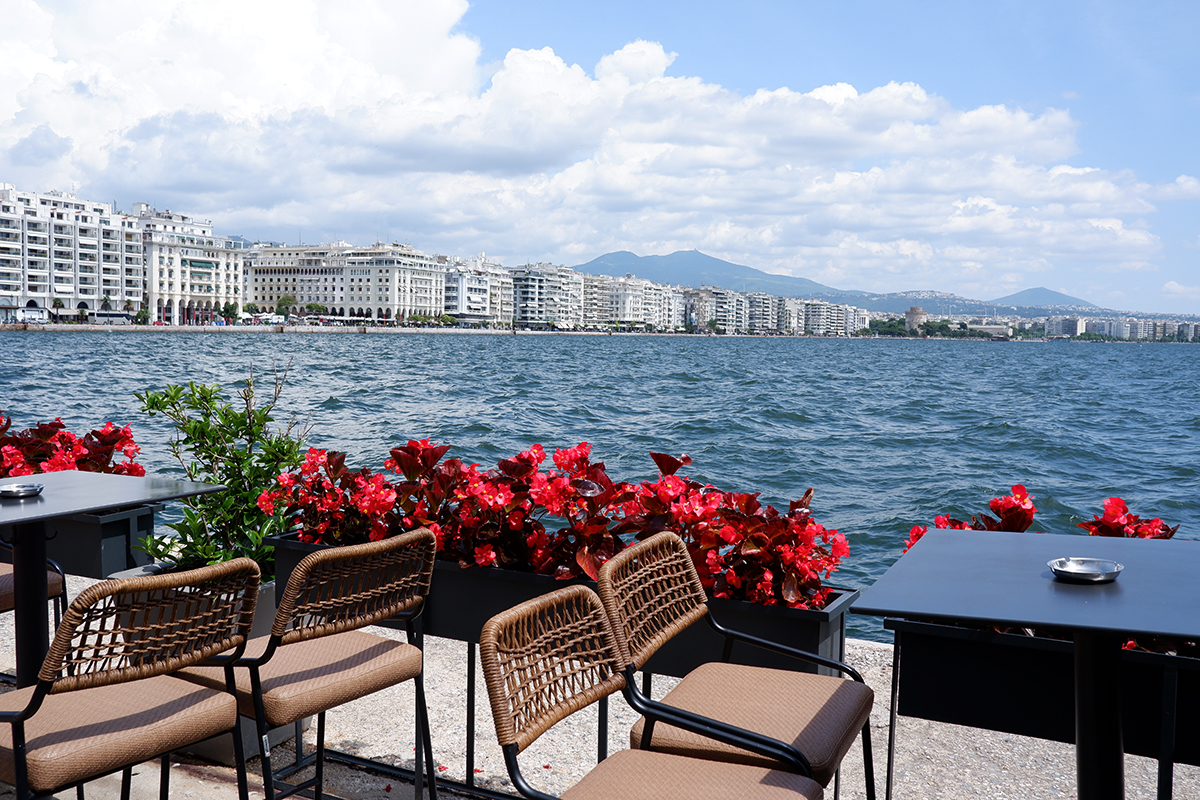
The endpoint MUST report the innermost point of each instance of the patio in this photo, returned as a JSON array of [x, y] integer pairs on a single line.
[[934, 760]]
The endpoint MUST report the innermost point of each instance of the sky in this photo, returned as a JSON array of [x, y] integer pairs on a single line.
[[973, 148]]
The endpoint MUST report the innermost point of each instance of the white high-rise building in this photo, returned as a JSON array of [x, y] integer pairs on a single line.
[[547, 296], [477, 291], [193, 276], [61, 256]]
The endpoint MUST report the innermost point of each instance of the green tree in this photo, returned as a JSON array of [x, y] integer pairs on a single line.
[[57, 305], [229, 311], [251, 308], [446, 319], [285, 303], [238, 447], [316, 308], [142, 317], [888, 327]]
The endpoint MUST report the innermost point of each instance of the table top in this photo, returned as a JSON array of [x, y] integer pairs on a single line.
[[73, 492], [997, 578]]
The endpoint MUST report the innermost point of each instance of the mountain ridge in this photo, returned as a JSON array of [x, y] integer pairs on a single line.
[[694, 268]]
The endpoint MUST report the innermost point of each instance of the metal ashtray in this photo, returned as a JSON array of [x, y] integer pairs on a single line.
[[21, 489], [1085, 570]]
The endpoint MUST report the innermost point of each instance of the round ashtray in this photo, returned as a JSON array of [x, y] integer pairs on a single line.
[[1085, 570], [21, 489]]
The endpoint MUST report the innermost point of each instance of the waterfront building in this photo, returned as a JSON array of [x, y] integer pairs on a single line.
[[700, 307], [598, 303], [547, 296], [762, 312], [194, 276], [914, 318], [478, 292], [730, 309], [60, 256], [380, 282]]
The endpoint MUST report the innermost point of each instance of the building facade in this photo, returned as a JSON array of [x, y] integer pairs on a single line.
[[194, 276], [61, 256]]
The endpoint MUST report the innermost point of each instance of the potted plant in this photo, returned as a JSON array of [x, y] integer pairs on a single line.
[[94, 545], [980, 677], [236, 446], [511, 533]]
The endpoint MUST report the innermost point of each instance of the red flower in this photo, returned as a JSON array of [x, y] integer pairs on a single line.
[[485, 556], [1015, 512]]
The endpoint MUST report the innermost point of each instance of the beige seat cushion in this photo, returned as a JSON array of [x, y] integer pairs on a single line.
[[53, 586], [305, 678], [75, 735], [820, 715], [647, 775]]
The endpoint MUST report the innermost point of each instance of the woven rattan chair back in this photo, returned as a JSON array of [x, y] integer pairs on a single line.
[[545, 659], [651, 592], [346, 588], [123, 630]]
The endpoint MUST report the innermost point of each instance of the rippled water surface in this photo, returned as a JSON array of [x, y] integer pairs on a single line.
[[889, 433]]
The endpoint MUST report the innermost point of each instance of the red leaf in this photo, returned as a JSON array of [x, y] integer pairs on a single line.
[[669, 465]]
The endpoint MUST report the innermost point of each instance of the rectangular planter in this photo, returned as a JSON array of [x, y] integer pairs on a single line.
[[461, 600], [822, 632], [1025, 685], [97, 545]]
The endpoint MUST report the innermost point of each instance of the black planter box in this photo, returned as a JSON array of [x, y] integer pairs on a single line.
[[97, 545], [461, 600], [822, 632], [1026, 685]]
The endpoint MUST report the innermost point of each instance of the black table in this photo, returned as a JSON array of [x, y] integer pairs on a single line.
[[66, 493], [991, 578]]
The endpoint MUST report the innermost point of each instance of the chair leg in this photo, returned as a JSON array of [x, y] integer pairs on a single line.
[[164, 777], [319, 768], [868, 760], [79, 792], [126, 780], [426, 738]]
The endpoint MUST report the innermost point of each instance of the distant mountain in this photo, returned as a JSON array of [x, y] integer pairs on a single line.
[[693, 268], [1041, 296]]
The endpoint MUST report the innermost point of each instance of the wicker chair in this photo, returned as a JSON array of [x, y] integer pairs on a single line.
[[805, 722], [552, 656], [316, 659], [104, 699]]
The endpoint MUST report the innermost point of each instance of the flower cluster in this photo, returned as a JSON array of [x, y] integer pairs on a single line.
[[331, 504], [1016, 512], [499, 517], [742, 549], [50, 447], [1117, 521], [564, 520]]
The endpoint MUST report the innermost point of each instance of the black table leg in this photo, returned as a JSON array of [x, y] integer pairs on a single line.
[[29, 590], [1099, 751]]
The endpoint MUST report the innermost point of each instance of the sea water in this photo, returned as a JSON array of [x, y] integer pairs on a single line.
[[889, 433]]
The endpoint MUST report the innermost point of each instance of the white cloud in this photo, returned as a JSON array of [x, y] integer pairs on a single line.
[[1178, 290], [377, 121]]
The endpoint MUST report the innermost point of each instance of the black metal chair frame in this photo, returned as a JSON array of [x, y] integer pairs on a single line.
[[639, 699]]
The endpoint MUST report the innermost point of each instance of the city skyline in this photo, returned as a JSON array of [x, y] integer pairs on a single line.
[[880, 148]]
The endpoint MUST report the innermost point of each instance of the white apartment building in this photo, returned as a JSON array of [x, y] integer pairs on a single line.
[[62, 256], [478, 291], [547, 296], [192, 275], [381, 282], [598, 307], [763, 312]]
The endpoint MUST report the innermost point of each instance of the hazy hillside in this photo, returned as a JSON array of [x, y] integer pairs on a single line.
[[693, 268], [1041, 296]]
